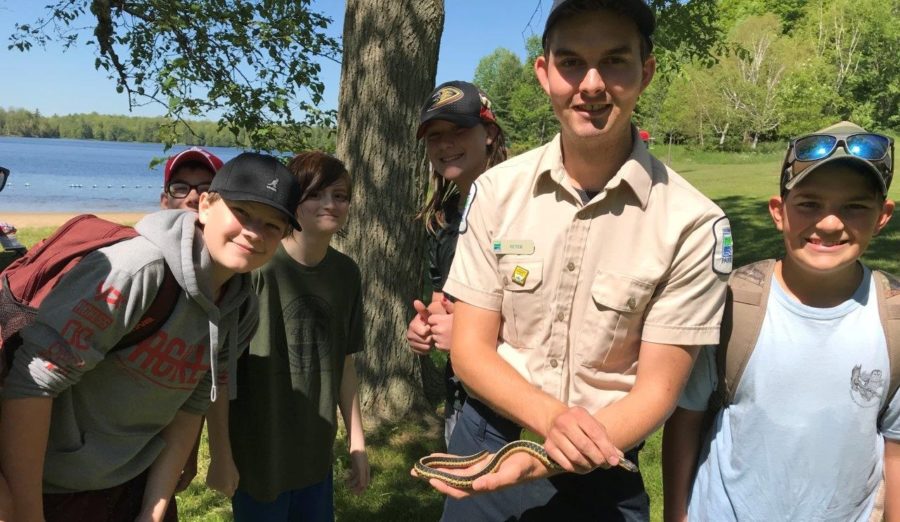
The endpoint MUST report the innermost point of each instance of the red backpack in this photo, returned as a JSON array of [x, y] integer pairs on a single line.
[[28, 280]]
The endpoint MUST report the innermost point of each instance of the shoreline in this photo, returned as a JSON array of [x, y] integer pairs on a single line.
[[54, 219]]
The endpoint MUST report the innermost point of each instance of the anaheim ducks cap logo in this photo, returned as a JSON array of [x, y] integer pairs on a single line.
[[445, 96]]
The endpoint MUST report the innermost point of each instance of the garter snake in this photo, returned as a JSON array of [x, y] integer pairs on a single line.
[[425, 467]]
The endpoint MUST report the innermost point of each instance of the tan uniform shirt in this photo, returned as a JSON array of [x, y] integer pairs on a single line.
[[580, 286]]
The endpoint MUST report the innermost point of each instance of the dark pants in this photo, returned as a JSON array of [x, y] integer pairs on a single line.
[[611, 494], [314, 503], [116, 504]]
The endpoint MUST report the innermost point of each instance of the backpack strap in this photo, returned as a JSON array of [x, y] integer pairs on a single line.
[[748, 293], [159, 312], [887, 289]]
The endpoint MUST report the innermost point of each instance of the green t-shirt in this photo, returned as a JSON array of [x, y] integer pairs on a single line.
[[284, 420]]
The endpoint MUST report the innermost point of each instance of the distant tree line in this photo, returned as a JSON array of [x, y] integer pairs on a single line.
[[781, 68], [93, 126]]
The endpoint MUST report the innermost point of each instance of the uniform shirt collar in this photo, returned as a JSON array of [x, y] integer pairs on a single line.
[[636, 172]]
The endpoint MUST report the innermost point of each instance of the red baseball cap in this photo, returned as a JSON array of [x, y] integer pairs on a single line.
[[192, 154]]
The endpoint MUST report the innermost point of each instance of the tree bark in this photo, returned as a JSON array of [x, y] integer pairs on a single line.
[[389, 67]]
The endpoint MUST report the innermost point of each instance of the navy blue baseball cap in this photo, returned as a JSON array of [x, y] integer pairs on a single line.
[[637, 10]]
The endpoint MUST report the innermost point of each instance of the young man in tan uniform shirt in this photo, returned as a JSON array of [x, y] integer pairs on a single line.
[[587, 274]]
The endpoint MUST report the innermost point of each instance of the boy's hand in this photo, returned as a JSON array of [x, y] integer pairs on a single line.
[[436, 306], [358, 479], [223, 476], [418, 334], [441, 331], [579, 443]]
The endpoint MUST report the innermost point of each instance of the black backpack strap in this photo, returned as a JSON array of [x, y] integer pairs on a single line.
[[155, 316], [887, 290], [745, 309]]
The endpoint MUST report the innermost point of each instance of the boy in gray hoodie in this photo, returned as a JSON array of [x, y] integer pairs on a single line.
[[89, 433]]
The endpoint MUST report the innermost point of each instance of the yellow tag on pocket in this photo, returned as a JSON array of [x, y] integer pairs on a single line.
[[519, 275]]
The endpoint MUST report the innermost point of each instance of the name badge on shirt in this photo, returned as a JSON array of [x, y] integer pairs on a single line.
[[523, 247]]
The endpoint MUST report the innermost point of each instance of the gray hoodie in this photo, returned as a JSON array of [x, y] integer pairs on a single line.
[[109, 407]]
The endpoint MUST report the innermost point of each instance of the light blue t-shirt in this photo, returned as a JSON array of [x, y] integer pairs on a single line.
[[801, 439]]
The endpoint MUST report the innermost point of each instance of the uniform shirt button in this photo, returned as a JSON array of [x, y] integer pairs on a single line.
[[560, 316], [570, 266], [553, 363], [505, 280], [631, 303]]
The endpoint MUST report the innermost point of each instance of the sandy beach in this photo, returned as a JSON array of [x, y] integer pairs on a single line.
[[53, 219]]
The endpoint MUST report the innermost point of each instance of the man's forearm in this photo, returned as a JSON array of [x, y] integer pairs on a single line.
[[24, 430], [662, 372], [179, 437], [490, 378]]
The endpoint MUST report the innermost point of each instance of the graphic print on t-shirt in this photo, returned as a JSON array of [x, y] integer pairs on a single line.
[[308, 321], [866, 387]]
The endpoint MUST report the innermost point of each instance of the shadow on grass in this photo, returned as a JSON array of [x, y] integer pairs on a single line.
[[393, 494]]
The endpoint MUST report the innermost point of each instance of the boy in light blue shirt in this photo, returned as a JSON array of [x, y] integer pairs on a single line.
[[807, 435]]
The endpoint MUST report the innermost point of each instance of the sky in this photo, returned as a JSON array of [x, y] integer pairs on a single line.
[[54, 81]]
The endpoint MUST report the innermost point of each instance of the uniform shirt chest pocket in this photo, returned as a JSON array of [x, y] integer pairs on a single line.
[[523, 309], [613, 320]]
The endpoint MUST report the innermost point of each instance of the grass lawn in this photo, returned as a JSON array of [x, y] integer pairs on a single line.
[[739, 183]]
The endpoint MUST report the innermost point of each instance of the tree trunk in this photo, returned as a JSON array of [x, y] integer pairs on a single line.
[[389, 67]]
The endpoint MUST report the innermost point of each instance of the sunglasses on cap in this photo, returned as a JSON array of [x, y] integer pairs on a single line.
[[807, 151], [868, 146]]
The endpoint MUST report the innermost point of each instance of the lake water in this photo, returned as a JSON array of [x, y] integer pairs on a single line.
[[57, 175]]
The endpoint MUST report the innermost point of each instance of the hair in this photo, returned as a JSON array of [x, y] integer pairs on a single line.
[[212, 197], [189, 164], [315, 171], [578, 7], [432, 213]]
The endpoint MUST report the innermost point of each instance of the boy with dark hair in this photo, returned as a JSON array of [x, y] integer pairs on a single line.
[[586, 276], [807, 425], [187, 175], [124, 420]]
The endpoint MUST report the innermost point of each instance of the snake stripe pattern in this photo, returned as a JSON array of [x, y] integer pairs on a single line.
[[426, 466]]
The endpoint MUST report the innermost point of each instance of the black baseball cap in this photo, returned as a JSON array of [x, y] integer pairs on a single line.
[[260, 178], [637, 10], [458, 102]]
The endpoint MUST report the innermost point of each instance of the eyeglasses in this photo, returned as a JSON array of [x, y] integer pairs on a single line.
[[806, 151], [179, 190]]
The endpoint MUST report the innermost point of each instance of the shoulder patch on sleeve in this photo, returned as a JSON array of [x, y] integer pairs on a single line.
[[464, 220], [723, 251]]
